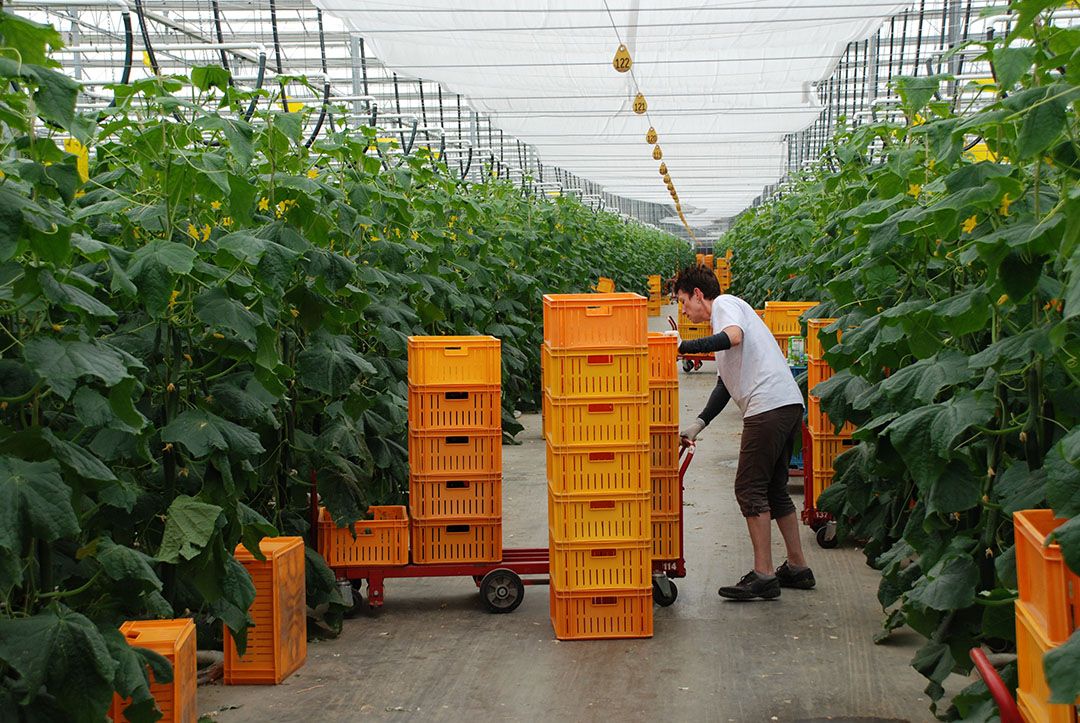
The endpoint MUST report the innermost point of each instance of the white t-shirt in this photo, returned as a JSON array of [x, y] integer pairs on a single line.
[[755, 372]]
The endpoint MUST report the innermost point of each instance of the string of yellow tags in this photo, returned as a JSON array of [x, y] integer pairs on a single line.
[[624, 63]]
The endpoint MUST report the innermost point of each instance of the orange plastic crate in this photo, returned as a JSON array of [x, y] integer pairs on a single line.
[[599, 471], [596, 423], [666, 493], [820, 481], [700, 259], [594, 321], [825, 448], [688, 330], [277, 643], [594, 518], [664, 449], [383, 540], [814, 349], [604, 285], [654, 307], [454, 408], [437, 497], [782, 317], [579, 566], [663, 404], [472, 453], [816, 373], [600, 373], [466, 540], [709, 260], [663, 362], [665, 537], [1050, 589], [454, 360], [175, 641], [602, 614], [760, 313], [1033, 692], [819, 422]]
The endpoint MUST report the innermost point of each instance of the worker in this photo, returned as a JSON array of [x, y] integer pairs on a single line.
[[752, 371]]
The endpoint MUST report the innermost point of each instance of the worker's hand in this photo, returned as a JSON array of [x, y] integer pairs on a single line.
[[689, 434]]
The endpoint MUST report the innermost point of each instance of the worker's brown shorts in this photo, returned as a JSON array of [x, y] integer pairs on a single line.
[[762, 478]]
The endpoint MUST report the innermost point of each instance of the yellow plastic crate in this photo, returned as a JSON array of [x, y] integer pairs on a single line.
[[604, 285], [688, 330], [454, 360], [1033, 692], [816, 373], [782, 317], [592, 423], [818, 421], [663, 404], [599, 373], [580, 566], [601, 615], [599, 471], [814, 349], [1049, 588], [825, 448], [664, 449], [665, 537], [663, 358], [666, 493], [599, 518]]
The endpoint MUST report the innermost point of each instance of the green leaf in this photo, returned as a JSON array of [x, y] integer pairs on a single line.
[[916, 92], [1042, 125], [63, 363], [956, 416], [79, 460], [255, 527], [226, 316], [1072, 290], [64, 652], [1011, 64], [949, 585], [34, 501], [922, 381], [72, 298], [1063, 481], [205, 77], [124, 564], [154, 268], [964, 313], [55, 97], [189, 525], [955, 490], [1062, 668], [1020, 488], [1019, 275], [201, 432], [331, 365]]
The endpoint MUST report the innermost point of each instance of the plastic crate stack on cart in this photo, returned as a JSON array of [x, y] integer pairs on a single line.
[[455, 449], [664, 449], [827, 443], [1047, 613], [723, 274], [596, 417], [655, 301]]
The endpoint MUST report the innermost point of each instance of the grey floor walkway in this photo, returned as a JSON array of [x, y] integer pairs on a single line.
[[432, 653]]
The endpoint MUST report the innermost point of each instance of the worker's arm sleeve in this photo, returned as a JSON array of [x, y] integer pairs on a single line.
[[716, 342], [717, 401]]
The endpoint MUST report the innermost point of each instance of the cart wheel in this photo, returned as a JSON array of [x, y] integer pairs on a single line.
[[697, 364], [687, 365], [359, 604], [502, 590], [826, 537], [663, 597]]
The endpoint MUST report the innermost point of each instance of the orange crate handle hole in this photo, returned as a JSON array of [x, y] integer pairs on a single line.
[[455, 351], [456, 395], [602, 505], [457, 485], [606, 408], [458, 529], [601, 456], [457, 440], [598, 311]]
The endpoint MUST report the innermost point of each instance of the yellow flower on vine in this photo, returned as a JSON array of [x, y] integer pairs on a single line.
[[415, 235], [1003, 209], [312, 174], [206, 232], [216, 205], [218, 335], [970, 223], [558, 227], [294, 311], [914, 190], [397, 232], [264, 204], [227, 221], [1002, 299], [453, 220], [453, 237], [193, 232], [173, 297]]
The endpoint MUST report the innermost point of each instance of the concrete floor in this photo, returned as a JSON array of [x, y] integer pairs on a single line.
[[433, 653]]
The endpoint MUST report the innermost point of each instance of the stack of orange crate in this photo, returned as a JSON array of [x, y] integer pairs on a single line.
[[827, 444], [1047, 612], [723, 274], [596, 419], [782, 318], [654, 295], [664, 447], [455, 449]]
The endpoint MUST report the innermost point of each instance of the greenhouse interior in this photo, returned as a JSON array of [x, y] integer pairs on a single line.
[[450, 359]]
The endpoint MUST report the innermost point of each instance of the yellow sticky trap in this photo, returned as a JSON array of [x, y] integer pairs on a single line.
[[294, 106], [663, 169], [657, 154], [146, 59], [622, 61], [640, 106], [980, 152], [650, 136], [82, 164]]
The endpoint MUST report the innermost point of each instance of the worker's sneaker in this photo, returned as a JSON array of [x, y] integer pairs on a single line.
[[801, 578], [752, 585]]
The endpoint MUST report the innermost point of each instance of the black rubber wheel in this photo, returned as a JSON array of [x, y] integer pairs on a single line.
[[687, 365], [359, 604], [664, 599], [502, 590], [697, 364], [824, 540]]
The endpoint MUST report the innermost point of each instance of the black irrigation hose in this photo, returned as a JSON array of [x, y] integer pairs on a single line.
[[146, 38], [258, 86], [322, 115], [129, 50], [221, 37], [277, 53]]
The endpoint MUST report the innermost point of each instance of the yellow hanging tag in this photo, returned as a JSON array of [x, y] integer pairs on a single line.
[[622, 61], [640, 106], [650, 136], [657, 154], [663, 169]]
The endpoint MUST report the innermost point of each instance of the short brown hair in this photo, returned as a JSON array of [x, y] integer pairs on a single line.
[[697, 277]]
